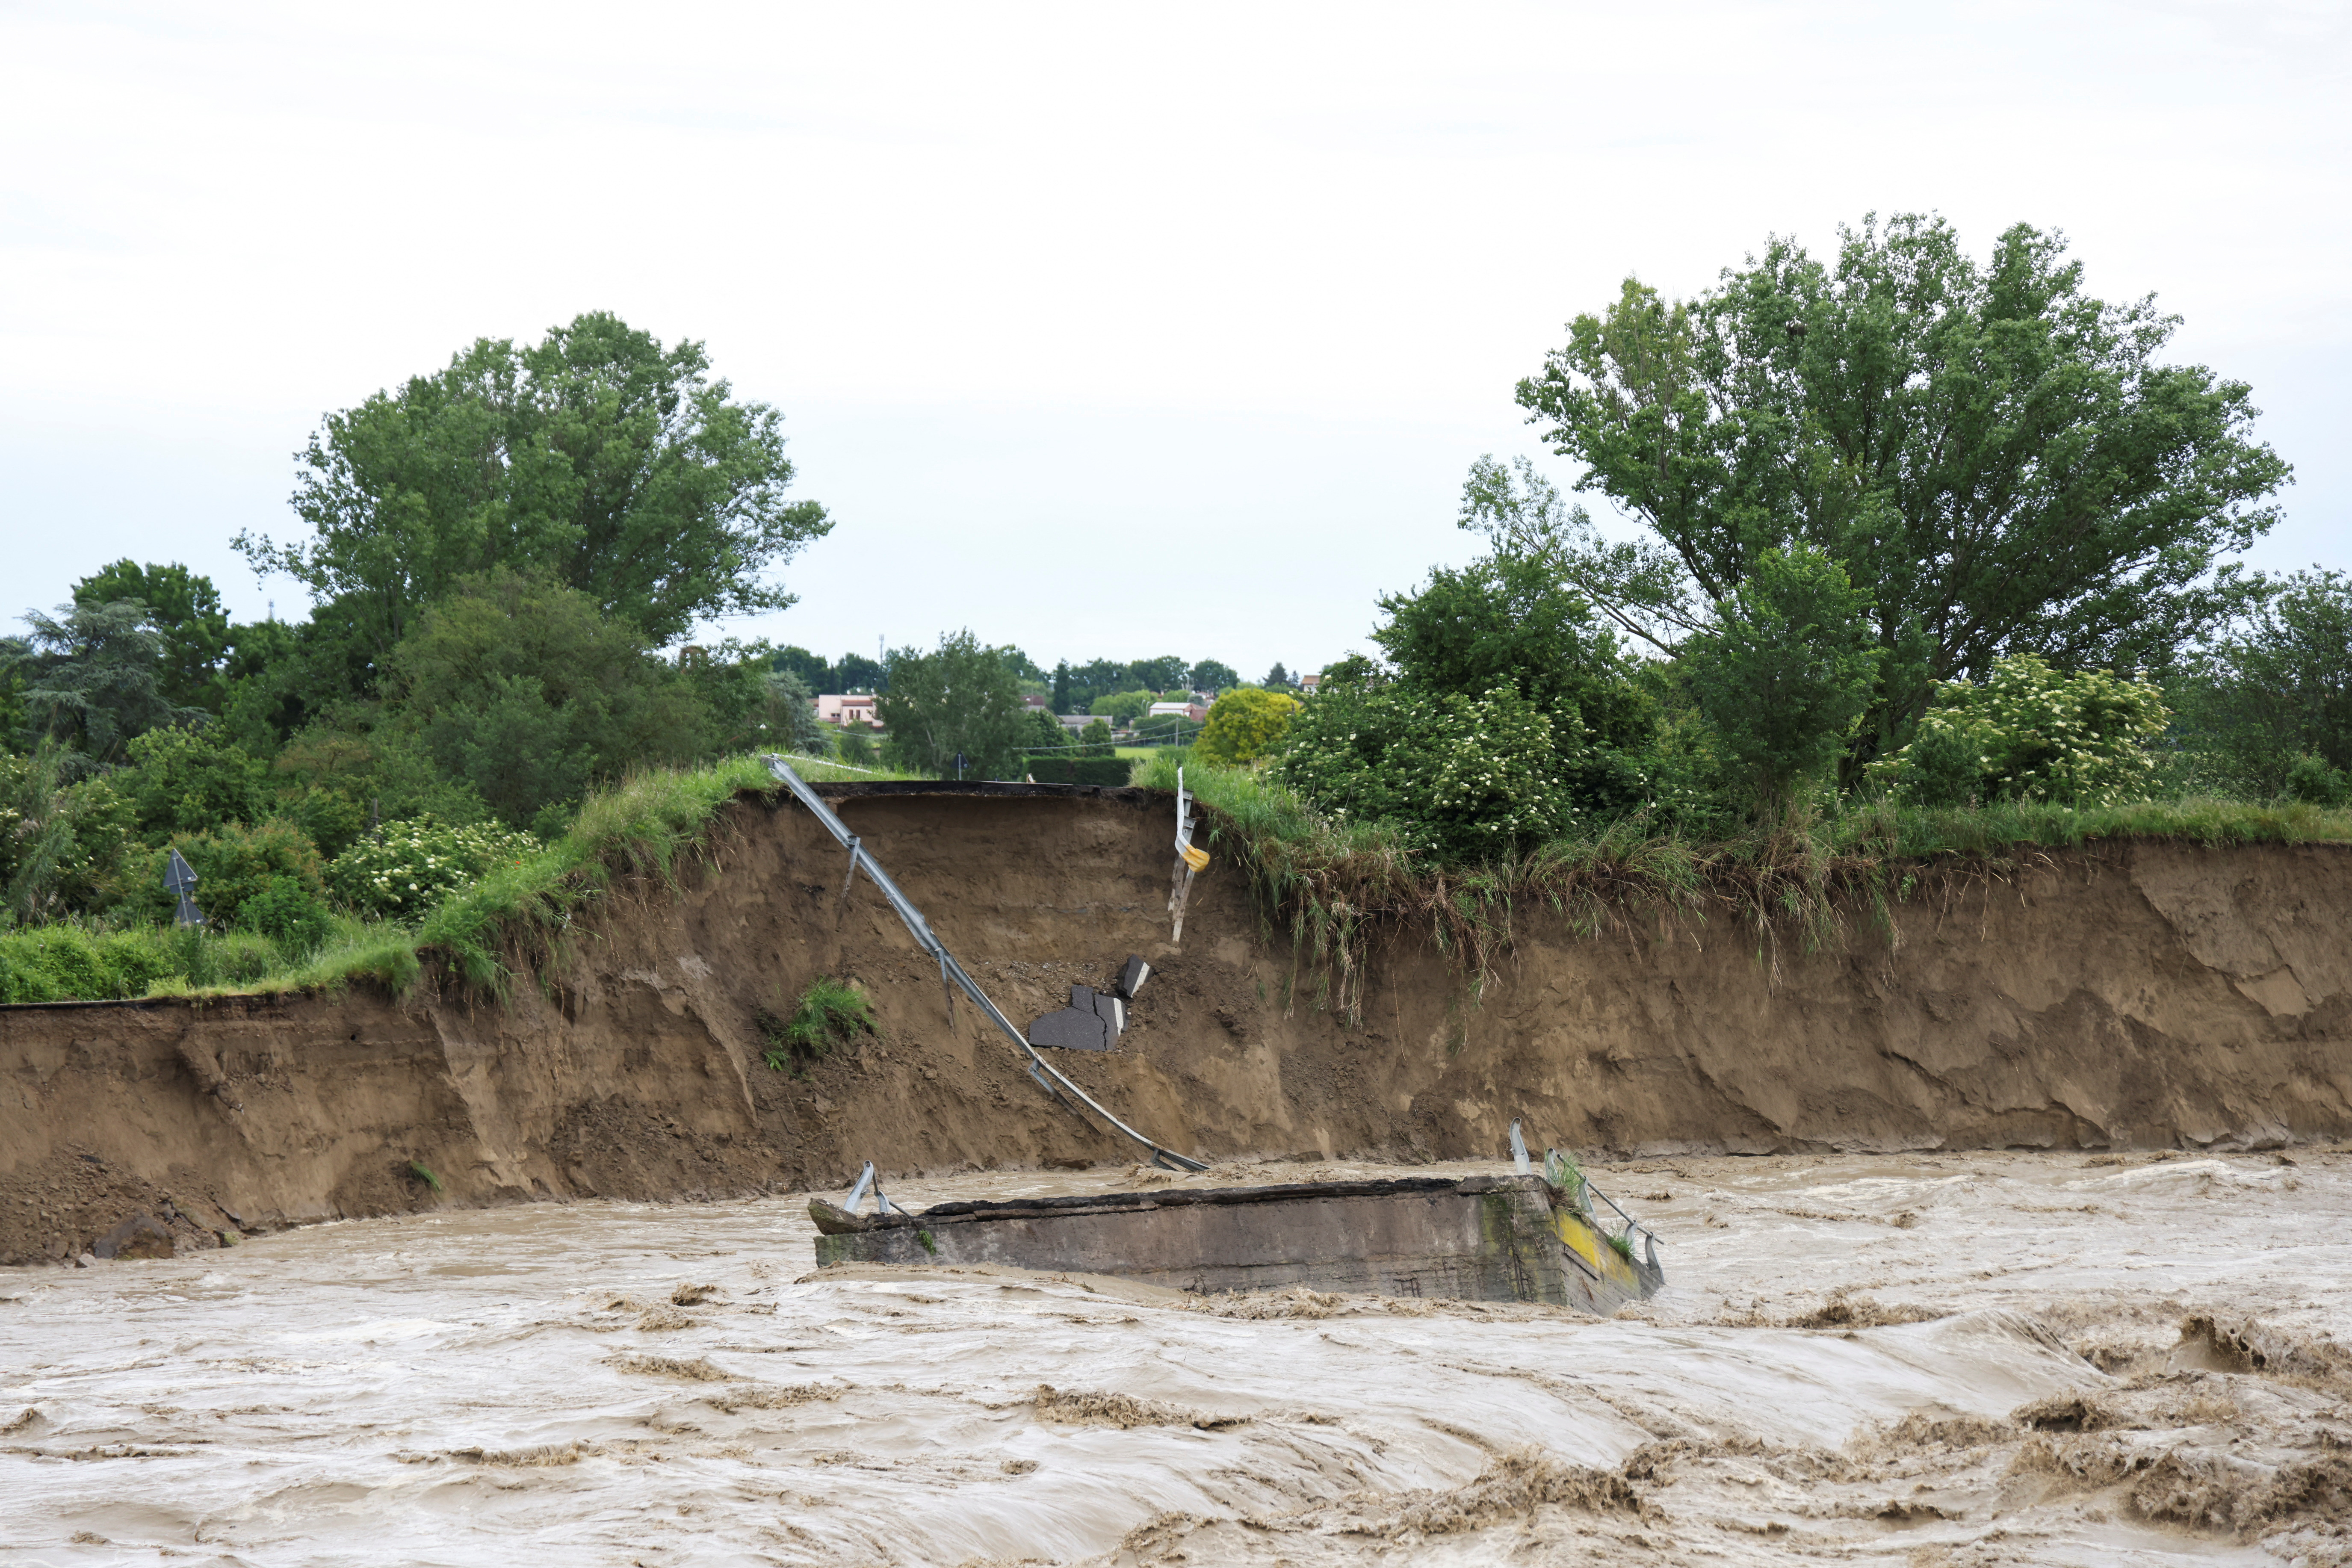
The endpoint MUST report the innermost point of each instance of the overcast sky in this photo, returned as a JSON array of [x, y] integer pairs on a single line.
[[1104, 331]]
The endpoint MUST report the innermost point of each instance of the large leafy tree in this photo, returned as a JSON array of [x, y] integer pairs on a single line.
[[1212, 676], [596, 456], [1999, 461], [962, 698]]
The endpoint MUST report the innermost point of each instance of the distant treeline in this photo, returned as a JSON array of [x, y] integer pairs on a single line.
[[1073, 687]]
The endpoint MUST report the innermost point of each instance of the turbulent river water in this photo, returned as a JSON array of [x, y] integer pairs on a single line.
[[1928, 1360]]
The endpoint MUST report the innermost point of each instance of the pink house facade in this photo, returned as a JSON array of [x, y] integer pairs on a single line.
[[844, 709]]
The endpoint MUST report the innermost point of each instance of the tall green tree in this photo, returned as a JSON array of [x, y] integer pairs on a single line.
[[596, 456], [960, 698], [93, 677], [757, 702], [517, 685], [1213, 677], [190, 625], [2000, 461]]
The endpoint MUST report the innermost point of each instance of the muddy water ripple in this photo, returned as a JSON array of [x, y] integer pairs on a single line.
[[1941, 1359]]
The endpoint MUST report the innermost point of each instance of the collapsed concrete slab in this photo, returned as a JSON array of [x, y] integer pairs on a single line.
[[1481, 1238], [1095, 1019]]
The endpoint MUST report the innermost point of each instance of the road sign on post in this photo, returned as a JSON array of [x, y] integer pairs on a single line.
[[180, 881], [960, 767]]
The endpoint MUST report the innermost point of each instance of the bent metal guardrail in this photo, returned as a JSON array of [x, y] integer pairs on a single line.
[[951, 973]]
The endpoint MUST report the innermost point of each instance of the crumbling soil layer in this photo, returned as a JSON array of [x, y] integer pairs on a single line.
[[2140, 995]]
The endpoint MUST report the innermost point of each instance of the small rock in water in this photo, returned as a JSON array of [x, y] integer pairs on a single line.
[[84, 1261]]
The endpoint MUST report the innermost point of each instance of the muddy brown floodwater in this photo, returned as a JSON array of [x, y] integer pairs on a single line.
[[1942, 1359]]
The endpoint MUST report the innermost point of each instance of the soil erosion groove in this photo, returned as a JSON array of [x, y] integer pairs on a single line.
[[2145, 995]]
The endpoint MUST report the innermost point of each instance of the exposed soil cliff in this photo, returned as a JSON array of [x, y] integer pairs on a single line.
[[2138, 995]]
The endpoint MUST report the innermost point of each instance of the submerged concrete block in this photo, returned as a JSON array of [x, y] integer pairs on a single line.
[[1486, 1238]]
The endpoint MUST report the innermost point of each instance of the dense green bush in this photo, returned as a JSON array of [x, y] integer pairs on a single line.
[[2031, 734], [334, 784], [519, 687], [185, 780], [288, 914], [2274, 687], [62, 846], [1509, 620], [1460, 777], [1107, 770], [414, 865], [2313, 780], [1785, 673], [71, 963], [232, 864]]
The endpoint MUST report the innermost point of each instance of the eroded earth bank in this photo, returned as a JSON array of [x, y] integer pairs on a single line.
[[2047, 1264], [2137, 996]]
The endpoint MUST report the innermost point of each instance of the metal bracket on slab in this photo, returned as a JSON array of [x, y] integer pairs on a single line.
[[952, 972], [867, 1182]]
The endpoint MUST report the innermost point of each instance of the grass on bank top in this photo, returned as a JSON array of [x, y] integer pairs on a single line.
[[1337, 887], [817, 769], [639, 825]]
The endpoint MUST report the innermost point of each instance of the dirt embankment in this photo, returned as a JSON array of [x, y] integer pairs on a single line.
[[2138, 995]]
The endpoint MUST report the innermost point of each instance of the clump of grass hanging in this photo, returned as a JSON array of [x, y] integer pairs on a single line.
[[424, 1172], [830, 1014], [1562, 1172]]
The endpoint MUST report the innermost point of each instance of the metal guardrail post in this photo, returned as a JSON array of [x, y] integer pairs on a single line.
[[952, 973]]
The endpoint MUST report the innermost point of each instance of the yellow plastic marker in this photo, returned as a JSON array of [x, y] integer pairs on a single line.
[[1196, 858]]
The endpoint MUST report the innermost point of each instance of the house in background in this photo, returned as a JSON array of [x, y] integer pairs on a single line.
[[1308, 683], [844, 709], [1191, 710]]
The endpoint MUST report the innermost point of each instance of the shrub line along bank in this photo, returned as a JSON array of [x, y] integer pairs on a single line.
[[1334, 888]]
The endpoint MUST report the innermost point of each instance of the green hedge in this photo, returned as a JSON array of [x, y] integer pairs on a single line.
[[1111, 771], [71, 963], [76, 964]]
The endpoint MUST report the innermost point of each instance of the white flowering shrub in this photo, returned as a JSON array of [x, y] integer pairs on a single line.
[[414, 865], [2030, 732], [1464, 778]]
